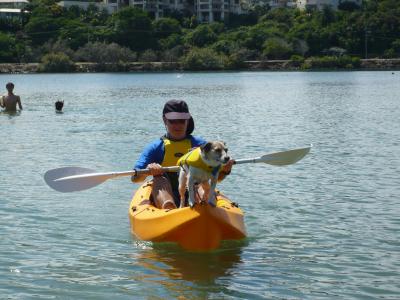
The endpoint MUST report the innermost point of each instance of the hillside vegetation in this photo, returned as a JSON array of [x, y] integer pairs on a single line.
[[51, 33]]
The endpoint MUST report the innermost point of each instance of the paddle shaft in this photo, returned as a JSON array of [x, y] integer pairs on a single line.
[[71, 179], [111, 175], [248, 160]]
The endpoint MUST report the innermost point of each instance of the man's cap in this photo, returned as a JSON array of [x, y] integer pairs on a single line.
[[178, 110]]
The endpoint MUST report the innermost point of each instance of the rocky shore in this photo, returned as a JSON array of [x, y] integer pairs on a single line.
[[269, 65]]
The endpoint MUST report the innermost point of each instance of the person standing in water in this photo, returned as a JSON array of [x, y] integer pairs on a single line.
[[10, 101]]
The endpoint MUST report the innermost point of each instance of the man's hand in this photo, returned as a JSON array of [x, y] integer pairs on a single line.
[[155, 169]]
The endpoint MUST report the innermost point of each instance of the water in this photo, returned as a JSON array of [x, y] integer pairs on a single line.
[[327, 227]]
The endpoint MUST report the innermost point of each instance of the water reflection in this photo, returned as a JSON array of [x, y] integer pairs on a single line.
[[173, 263]]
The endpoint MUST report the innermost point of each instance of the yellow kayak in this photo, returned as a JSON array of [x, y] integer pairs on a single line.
[[201, 228]]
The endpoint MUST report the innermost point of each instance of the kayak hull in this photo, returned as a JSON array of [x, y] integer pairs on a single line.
[[201, 228]]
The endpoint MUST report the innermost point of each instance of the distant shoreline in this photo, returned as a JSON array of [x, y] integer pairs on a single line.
[[268, 65]]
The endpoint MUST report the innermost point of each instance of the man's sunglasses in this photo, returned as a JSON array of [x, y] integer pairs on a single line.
[[178, 121]]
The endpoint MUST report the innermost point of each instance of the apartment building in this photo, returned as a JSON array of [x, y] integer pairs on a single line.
[[281, 3], [205, 10], [110, 5], [320, 4], [12, 9]]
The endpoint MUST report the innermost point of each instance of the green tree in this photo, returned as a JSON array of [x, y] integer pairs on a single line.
[[75, 33], [132, 28], [201, 36], [257, 34], [277, 48], [171, 41], [7, 49], [164, 27], [42, 29]]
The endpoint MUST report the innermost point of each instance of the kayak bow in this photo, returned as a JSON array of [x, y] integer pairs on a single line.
[[201, 228]]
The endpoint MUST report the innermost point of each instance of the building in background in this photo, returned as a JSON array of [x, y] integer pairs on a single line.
[[12, 9], [110, 6], [206, 11], [320, 4], [281, 3]]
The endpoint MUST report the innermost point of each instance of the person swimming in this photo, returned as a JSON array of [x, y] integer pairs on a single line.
[[59, 105]]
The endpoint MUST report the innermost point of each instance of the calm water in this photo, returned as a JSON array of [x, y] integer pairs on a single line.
[[327, 227]]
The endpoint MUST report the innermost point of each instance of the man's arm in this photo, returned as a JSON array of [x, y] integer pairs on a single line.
[[2, 101], [19, 102], [151, 156]]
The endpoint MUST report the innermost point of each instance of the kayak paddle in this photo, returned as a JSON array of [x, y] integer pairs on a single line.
[[72, 179]]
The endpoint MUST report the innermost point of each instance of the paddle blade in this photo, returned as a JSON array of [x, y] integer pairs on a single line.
[[75, 184], [285, 157]]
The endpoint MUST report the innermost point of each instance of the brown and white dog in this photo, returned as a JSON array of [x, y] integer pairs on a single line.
[[201, 166]]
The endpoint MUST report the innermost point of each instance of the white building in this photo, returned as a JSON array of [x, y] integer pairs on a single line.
[[205, 10], [109, 5], [320, 4], [281, 3], [12, 8]]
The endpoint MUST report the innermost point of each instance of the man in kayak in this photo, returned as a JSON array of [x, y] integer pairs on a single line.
[[10, 101], [165, 152]]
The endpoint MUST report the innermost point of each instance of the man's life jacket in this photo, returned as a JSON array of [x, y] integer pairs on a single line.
[[173, 150]]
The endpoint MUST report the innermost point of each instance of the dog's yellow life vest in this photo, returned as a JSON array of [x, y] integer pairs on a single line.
[[193, 158], [174, 150]]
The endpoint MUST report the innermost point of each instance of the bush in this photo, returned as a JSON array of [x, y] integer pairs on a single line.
[[148, 56], [171, 41], [389, 53], [225, 46], [60, 46], [7, 48], [173, 55], [204, 59], [235, 61], [333, 62], [394, 51], [104, 53], [277, 48], [56, 62], [297, 60]]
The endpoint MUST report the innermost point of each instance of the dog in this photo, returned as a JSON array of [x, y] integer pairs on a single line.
[[201, 166], [59, 105]]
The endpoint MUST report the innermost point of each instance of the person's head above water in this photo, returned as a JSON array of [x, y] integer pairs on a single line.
[[10, 86], [59, 105]]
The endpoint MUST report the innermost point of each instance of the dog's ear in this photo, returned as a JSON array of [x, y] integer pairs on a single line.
[[206, 147]]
